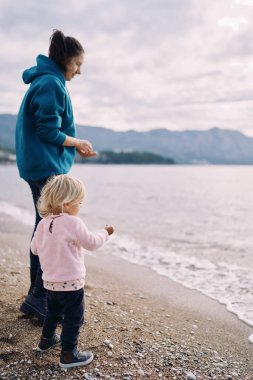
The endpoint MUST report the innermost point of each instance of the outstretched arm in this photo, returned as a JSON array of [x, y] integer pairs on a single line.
[[92, 240]]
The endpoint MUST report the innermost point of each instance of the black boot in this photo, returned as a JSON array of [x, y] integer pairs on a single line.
[[36, 301]]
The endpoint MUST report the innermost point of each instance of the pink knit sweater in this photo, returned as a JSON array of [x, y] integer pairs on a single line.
[[58, 241]]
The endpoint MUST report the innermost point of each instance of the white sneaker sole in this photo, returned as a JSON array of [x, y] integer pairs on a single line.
[[47, 349]]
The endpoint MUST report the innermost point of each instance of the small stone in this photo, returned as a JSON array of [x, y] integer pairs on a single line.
[[108, 343], [190, 376], [141, 372]]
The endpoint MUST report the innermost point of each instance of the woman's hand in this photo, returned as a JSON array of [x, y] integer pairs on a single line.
[[85, 149], [109, 229]]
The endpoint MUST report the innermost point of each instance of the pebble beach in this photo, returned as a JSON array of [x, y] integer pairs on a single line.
[[139, 325]]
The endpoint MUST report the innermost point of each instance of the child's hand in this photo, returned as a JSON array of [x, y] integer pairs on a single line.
[[109, 229]]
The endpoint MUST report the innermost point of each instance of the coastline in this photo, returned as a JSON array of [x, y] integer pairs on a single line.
[[140, 325]]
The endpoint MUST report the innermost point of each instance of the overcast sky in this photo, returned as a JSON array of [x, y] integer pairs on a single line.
[[175, 64]]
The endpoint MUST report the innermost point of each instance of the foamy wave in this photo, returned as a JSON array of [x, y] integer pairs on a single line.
[[228, 284], [21, 215]]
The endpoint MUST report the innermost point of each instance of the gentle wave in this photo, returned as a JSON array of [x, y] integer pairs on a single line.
[[17, 213], [229, 285]]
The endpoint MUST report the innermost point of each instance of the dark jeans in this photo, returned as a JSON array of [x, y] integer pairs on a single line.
[[36, 286], [70, 305]]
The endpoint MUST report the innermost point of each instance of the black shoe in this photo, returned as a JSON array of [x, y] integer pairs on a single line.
[[75, 358], [47, 343], [35, 305]]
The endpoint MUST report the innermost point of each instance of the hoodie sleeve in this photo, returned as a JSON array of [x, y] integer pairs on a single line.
[[48, 105], [90, 240]]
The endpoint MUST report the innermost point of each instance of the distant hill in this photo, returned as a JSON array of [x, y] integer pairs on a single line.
[[215, 146]]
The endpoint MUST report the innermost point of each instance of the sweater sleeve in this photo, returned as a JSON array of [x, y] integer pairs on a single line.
[[48, 106], [90, 240]]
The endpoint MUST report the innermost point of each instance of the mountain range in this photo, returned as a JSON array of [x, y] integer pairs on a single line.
[[214, 146]]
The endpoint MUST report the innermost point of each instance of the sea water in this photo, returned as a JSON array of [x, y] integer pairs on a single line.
[[193, 224]]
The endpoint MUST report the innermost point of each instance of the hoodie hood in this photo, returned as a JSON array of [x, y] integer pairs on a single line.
[[45, 66]]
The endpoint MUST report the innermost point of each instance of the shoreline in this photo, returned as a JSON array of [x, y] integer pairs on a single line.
[[186, 286], [163, 288], [139, 324]]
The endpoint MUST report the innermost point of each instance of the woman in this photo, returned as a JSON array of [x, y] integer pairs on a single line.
[[45, 136]]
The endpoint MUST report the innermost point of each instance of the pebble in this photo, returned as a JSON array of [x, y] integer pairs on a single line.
[[88, 377], [190, 376], [141, 372], [108, 343]]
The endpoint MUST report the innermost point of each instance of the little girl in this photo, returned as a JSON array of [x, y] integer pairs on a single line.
[[58, 241]]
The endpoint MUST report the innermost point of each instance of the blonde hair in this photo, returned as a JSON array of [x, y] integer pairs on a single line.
[[58, 190]]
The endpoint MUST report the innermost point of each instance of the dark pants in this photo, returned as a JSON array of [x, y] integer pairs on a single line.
[[36, 286], [70, 305]]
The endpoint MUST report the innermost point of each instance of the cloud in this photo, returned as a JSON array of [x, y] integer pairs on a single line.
[[173, 64], [232, 22], [245, 2]]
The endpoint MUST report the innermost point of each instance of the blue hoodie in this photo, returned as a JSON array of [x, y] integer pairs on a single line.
[[44, 119]]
